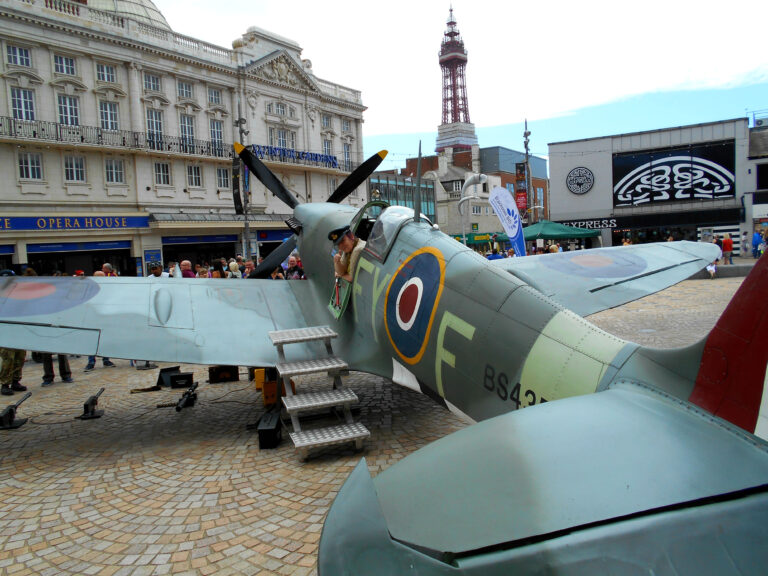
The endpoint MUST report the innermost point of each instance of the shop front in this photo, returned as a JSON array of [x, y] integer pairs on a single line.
[[65, 243]]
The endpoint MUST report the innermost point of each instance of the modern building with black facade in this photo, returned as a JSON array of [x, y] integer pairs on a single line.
[[688, 182]]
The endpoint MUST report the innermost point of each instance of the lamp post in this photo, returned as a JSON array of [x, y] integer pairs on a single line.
[[473, 180], [240, 124]]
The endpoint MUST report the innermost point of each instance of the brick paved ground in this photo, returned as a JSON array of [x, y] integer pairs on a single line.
[[152, 491]]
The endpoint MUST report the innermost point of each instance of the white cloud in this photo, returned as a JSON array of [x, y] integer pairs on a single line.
[[533, 60]]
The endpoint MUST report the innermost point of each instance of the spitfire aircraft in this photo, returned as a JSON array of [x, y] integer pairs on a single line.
[[645, 455]]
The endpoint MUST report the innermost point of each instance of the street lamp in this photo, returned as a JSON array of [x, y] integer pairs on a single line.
[[473, 180]]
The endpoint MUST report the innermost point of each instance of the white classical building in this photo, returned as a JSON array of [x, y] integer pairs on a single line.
[[116, 136]]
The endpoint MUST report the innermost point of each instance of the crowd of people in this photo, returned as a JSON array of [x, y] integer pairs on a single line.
[[232, 268]]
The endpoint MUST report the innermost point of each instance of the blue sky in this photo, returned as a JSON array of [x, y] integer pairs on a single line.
[[574, 69], [633, 114]]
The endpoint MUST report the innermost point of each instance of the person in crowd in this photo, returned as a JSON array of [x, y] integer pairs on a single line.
[[217, 270], [745, 247], [511, 253], [11, 364], [92, 359], [79, 273], [108, 270], [712, 269], [294, 271], [186, 269], [65, 372], [277, 274], [240, 264], [156, 270], [234, 270], [202, 272], [727, 249], [350, 247], [757, 238], [29, 271], [494, 255], [250, 267]]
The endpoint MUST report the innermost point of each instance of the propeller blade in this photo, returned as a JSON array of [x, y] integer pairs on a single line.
[[266, 176], [357, 177], [274, 258]]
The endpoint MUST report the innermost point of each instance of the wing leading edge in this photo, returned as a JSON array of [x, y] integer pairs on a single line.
[[588, 281], [164, 319]]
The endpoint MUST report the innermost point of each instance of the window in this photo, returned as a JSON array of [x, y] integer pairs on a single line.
[[327, 148], [23, 104], [64, 65], [106, 73], [114, 171], [282, 138], [326, 121], [280, 108], [457, 185], [222, 178], [74, 169], [151, 82], [332, 185], [162, 174], [762, 176], [539, 196], [345, 125], [30, 166], [214, 96], [187, 129], [184, 89], [69, 110], [18, 56], [217, 137], [347, 158], [108, 115], [194, 176], [155, 128], [477, 210]]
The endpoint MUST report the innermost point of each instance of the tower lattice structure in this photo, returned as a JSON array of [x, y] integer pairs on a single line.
[[453, 61], [456, 130]]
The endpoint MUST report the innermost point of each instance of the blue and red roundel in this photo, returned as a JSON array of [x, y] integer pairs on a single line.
[[32, 296], [411, 302]]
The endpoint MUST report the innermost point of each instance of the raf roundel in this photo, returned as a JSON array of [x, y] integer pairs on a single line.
[[31, 296], [411, 302]]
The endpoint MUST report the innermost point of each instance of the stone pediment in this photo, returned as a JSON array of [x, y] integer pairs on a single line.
[[280, 69]]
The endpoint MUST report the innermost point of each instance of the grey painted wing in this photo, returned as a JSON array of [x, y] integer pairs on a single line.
[[194, 321], [588, 281]]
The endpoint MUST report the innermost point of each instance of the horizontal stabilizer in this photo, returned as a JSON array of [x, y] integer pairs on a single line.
[[588, 281]]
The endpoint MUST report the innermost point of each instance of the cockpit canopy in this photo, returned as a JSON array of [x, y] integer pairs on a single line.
[[378, 224]]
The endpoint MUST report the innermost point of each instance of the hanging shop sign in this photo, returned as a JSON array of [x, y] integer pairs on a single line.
[[72, 222], [696, 172]]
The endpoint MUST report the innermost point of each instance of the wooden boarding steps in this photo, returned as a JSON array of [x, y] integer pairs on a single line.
[[295, 404]]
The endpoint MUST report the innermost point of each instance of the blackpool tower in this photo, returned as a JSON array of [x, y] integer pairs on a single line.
[[456, 130]]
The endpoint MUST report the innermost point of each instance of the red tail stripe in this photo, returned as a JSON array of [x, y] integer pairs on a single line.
[[732, 370]]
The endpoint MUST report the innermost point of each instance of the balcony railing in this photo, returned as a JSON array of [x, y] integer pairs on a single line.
[[40, 131]]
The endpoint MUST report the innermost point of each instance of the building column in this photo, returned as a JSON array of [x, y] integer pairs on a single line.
[[134, 96]]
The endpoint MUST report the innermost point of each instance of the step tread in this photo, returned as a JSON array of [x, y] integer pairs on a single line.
[[311, 366], [316, 400], [330, 435], [294, 335]]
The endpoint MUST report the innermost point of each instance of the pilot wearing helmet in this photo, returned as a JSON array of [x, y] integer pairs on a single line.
[[350, 247]]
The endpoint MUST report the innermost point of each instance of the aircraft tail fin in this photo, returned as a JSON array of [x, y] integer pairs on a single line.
[[731, 379]]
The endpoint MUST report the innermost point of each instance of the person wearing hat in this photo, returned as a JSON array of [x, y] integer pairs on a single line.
[[350, 248]]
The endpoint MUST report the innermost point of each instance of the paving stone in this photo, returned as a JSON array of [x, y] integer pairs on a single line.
[[151, 491]]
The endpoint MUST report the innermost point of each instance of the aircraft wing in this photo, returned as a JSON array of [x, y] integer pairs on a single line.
[[624, 481], [200, 321], [588, 281]]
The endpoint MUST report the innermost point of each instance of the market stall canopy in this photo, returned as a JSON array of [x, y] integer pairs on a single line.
[[548, 230]]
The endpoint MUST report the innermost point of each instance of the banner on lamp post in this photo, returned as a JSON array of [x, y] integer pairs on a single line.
[[505, 209]]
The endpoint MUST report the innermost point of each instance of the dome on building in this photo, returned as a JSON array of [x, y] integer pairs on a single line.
[[143, 11]]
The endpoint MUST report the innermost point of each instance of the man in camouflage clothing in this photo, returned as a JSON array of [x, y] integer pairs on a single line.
[[10, 371]]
